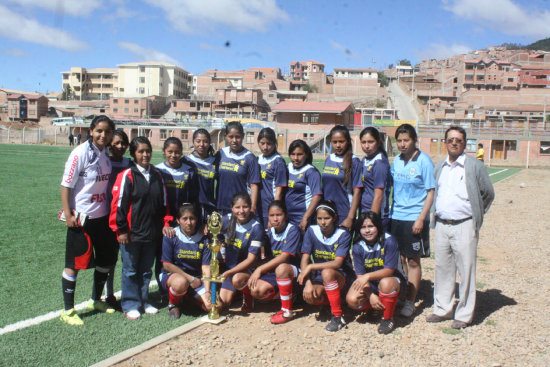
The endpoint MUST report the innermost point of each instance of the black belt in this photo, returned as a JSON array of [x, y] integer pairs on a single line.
[[452, 221]]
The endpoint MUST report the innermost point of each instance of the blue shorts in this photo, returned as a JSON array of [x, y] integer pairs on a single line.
[[272, 279], [228, 283], [164, 276], [316, 278], [402, 286]]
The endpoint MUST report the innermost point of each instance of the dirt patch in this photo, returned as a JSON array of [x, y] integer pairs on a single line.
[[510, 326]]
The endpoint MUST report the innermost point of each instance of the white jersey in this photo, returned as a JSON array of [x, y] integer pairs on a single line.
[[87, 173]]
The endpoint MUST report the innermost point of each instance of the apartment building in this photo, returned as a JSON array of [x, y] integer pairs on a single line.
[[194, 108], [534, 76], [139, 79], [231, 102], [302, 70], [144, 79], [138, 107], [354, 84], [256, 78], [89, 84]]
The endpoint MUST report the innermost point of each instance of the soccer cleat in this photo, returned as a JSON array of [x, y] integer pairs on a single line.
[[408, 309], [100, 306], [133, 315], [174, 312], [335, 324], [281, 317], [111, 300], [324, 314], [71, 317], [248, 305], [386, 326], [150, 310]]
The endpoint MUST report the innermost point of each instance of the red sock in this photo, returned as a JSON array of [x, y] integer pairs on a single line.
[[285, 289], [174, 298], [247, 297], [333, 293], [389, 301]]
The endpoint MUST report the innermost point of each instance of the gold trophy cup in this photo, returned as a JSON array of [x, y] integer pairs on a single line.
[[215, 227]]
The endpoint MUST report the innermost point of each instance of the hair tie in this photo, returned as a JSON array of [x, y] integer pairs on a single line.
[[326, 207]]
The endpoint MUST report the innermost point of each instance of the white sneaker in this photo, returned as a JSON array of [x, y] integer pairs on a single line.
[[133, 315], [151, 310], [408, 309]]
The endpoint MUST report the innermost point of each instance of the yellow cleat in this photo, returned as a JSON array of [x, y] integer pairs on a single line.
[[100, 306], [71, 317]]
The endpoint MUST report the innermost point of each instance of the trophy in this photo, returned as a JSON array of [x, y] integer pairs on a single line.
[[215, 227]]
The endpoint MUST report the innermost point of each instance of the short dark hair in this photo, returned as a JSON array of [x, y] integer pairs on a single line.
[[406, 129], [480, 145], [136, 142], [460, 129]]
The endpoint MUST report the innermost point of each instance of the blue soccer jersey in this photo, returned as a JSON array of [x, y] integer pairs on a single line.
[[179, 185], [376, 174], [303, 184], [410, 185], [333, 183], [248, 238], [288, 241], [369, 258], [327, 249], [236, 172], [205, 172], [187, 253], [273, 174], [116, 168]]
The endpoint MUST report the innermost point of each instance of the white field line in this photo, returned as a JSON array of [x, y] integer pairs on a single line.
[[49, 316], [497, 172]]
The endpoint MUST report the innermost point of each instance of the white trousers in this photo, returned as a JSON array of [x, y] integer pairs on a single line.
[[455, 248]]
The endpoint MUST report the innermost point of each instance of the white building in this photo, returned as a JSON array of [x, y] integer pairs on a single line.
[[143, 79]]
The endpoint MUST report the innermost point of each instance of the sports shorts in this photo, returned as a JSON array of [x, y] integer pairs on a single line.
[[272, 279], [164, 276], [228, 282], [411, 245], [91, 245], [316, 278]]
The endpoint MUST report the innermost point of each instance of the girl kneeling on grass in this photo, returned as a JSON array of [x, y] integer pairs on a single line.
[[138, 213], [278, 274], [243, 243], [378, 268], [185, 258], [328, 245]]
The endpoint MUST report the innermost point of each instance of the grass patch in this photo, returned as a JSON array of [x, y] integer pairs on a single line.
[[450, 330], [483, 260], [32, 249], [480, 285], [491, 323]]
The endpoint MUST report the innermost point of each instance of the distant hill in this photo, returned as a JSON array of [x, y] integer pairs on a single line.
[[543, 45]]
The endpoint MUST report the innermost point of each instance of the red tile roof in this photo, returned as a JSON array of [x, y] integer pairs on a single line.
[[298, 106]]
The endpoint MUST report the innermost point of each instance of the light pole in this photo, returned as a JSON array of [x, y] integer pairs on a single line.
[[412, 86]]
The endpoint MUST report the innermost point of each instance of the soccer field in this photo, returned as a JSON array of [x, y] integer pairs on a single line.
[[32, 249]]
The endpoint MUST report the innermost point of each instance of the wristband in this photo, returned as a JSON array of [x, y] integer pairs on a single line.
[[200, 290]]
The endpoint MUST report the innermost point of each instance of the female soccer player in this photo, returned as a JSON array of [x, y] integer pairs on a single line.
[[202, 160], [185, 258], [118, 147], [138, 213], [85, 209], [376, 175], [273, 171], [342, 177], [278, 274], [304, 185], [238, 169], [413, 193], [243, 242], [330, 270], [378, 269]]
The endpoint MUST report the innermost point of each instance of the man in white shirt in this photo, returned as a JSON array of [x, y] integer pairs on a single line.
[[463, 194]]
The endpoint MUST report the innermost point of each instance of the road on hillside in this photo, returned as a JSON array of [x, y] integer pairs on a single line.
[[402, 102]]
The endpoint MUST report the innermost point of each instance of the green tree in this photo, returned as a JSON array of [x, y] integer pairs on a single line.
[[380, 103], [310, 88], [390, 66], [404, 62], [66, 95], [383, 79]]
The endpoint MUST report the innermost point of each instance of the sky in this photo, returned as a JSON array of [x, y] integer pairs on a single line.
[[39, 39]]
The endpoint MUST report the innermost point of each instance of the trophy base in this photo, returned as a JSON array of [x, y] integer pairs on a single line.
[[214, 280], [213, 321]]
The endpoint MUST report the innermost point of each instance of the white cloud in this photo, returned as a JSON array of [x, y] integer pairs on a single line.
[[70, 7], [17, 52], [19, 28], [503, 15], [440, 51], [196, 16], [147, 54]]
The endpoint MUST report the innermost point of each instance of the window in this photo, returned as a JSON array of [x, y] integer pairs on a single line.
[[174, 104], [102, 110], [163, 134], [142, 69], [471, 145], [121, 89], [481, 77], [115, 100], [206, 104], [310, 117], [192, 104], [141, 90], [544, 147], [220, 102], [115, 109], [146, 133], [249, 138], [184, 134], [126, 109], [510, 80], [126, 101], [136, 101], [65, 76], [142, 79], [469, 77], [136, 109], [511, 145]]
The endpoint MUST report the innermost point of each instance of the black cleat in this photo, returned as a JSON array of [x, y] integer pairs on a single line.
[[386, 326], [335, 324]]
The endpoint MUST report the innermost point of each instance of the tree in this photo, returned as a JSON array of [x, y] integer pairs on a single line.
[[380, 103], [383, 79], [66, 95], [310, 88], [390, 66], [404, 62]]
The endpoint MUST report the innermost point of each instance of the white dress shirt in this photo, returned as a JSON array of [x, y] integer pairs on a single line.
[[145, 172], [452, 201]]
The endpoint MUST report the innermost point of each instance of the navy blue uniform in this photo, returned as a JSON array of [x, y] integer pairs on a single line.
[[179, 185], [376, 174], [303, 184], [274, 174], [205, 173]]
